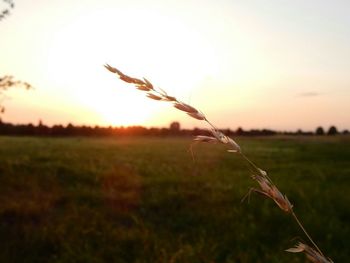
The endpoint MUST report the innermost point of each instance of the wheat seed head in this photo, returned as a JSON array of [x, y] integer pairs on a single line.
[[311, 253]]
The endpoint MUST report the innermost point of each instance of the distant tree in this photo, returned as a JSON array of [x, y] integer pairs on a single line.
[[174, 127], [7, 82], [319, 131], [239, 131], [5, 11], [345, 132], [228, 132], [332, 131], [299, 132]]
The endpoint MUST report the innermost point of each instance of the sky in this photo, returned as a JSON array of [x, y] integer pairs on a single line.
[[272, 64]]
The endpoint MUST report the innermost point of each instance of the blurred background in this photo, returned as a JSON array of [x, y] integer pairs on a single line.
[[93, 171]]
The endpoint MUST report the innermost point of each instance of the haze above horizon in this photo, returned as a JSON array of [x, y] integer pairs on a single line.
[[282, 65]]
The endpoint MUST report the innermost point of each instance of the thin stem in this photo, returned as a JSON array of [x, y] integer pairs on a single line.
[[249, 161], [210, 124], [306, 233], [254, 166], [293, 214], [251, 165]]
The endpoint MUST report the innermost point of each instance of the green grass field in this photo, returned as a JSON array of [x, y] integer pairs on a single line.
[[147, 200]]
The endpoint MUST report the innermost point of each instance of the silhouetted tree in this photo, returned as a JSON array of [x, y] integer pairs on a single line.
[[332, 131], [174, 128], [239, 131], [7, 82], [319, 131], [228, 132], [6, 10]]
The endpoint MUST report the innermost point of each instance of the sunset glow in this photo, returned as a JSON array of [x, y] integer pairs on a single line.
[[243, 63]]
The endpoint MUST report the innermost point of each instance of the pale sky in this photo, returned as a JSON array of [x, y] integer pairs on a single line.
[[272, 64]]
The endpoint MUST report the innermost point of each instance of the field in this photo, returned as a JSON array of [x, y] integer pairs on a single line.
[[147, 200]]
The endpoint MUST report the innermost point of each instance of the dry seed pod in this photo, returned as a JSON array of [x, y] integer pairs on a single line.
[[270, 190], [143, 87], [197, 115], [226, 140], [162, 92], [203, 138], [185, 107], [138, 81], [220, 136], [262, 172], [169, 98], [126, 78], [148, 84], [311, 253], [154, 97], [234, 145], [113, 70]]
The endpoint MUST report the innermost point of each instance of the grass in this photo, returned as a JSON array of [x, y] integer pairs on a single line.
[[267, 187], [146, 200]]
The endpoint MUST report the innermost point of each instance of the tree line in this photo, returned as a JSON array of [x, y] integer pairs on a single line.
[[174, 129]]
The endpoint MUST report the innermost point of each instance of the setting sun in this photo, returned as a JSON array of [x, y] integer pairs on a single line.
[[174, 56], [119, 107]]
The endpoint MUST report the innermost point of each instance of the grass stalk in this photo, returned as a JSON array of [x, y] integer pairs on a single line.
[[267, 187], [306, 233]]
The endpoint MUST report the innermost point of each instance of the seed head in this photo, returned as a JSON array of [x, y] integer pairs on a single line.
[[226, 140], [169, 98], [148, 84], [154, 97], [112, 69], [126, 78], [270, 190], [203, 138], [197, 115], [311, 253], [143, 87], [138, 81], [185, 107]]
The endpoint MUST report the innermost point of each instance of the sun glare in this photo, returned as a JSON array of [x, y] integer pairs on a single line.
[[128, 111], [170, 54]]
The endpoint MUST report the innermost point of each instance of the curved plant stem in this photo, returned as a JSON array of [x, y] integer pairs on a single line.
[[306, 233], [268, 188]]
